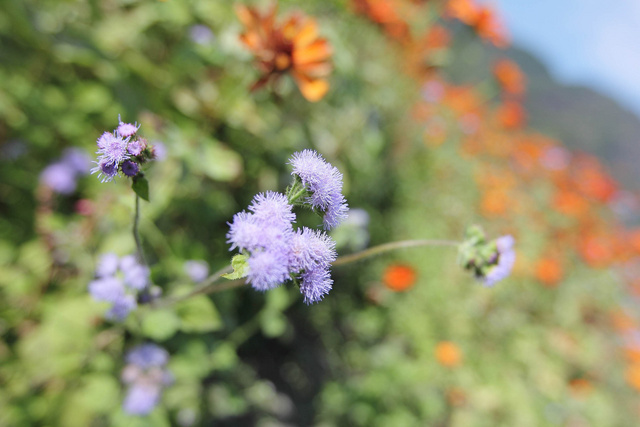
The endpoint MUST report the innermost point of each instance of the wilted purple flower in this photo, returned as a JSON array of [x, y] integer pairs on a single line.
[[126, 130], [147, 356], [141, 399], [59, 177], [506, 258], [121, 307], [324, 182], [196, 270], [267, 270], [316, 283], [130, 168]]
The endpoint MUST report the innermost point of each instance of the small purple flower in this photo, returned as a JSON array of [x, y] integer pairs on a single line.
[[77, 160], [130, 168], [272, 209], [107, 265], [141, 398], [147, 356], [310, 250], [196, 270], [506, 258], [59, 177], [106, 170], [201, 34], [243, 232], [324, 182], [121, 308], [113, 149], [136, 147], [315, 284], [158, 151], [109, 289], [267, 270], [126, 130], [137, 277]]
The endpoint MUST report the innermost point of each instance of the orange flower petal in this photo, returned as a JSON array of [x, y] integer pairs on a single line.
[[315, 52], [312, 89]]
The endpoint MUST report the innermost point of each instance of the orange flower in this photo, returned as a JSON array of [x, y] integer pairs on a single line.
[[292, 47], [384, 13], [489, 28], [511, 115], [494, 203], [549, 271], [570, 203], [597, 250], [448, 354], [580, 387], [399, 277], [509, 76], [632, 376], [463, 10]]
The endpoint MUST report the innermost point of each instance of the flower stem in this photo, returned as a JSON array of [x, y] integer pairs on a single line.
[[212, 285], [392, 246], [136, 232]]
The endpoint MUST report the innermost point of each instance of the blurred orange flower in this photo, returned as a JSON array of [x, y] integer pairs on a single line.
[[448, 354], [622, 321], [463, 10], [511, 115], [580, 386], [399, 277], [384, 13], [292, 47], [509, 77], [632, 375], [548, 270], [489, 28]]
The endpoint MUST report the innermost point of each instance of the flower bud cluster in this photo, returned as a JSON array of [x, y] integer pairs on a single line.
[[489, 261], [122, 151], [276, 252], [122, 282], [145, 375]]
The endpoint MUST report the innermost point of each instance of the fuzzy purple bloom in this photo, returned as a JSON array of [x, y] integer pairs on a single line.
[[59, 177], [315, 284], [113, 149], [136, 147], [106, 170], [243, 232], [141, 399], [267, 270], [310, 250], [109, 289], [324, 182], [504, 264], [77, 160], [196, 270], [126, 130], [107, 265], [130, 168], [147, 356], [272, 209], [121, 308]]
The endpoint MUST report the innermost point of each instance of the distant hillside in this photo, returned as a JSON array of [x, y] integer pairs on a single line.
[[578, 116]]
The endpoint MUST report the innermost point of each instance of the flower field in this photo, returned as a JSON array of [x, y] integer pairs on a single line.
[[262, 213]]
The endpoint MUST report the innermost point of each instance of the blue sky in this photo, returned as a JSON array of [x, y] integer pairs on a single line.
[[595, 43]]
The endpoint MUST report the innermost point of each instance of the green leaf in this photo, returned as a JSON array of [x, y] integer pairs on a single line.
[[198, 315], [240, 267], [141, 186], [160, 324]]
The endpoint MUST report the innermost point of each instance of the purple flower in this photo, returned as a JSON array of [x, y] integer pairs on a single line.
[[324, 182], [158, 151], [107, 265], [126, 130], [77, 160], [141, 398], [267, 270], [136, 275], [106, 170], [315, 284], [196, 270], [112, 148], [59, 177], [310, 250], [109, 289], [135, 147], [147, 356], [243, 232], [506, 258], [130, 168], [121, 308], [201, 34], [272, 209]]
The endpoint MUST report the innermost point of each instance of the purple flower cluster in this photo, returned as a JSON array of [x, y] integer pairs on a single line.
[[121, 151], [277, 253], [324, 183], [502, 262], [119, 281], [197, 270], [62, 175], [145, 375]]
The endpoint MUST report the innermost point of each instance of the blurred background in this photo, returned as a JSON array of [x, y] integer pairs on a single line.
[[521, 118]]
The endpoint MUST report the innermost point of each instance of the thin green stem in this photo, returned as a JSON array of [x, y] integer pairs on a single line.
[[392, 246], [212, 285], [136, 232]]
